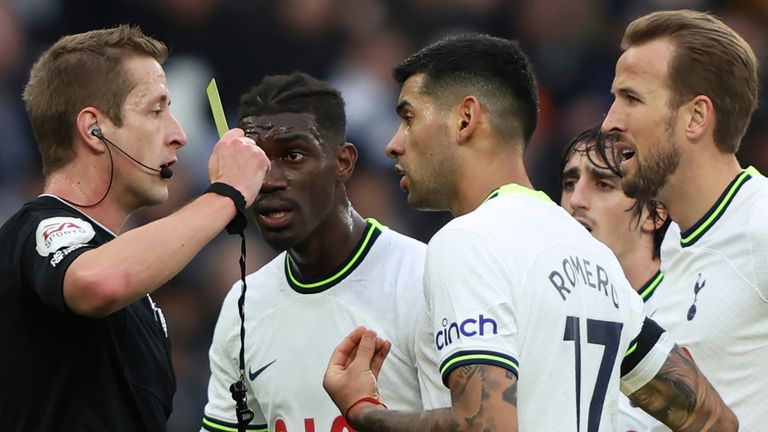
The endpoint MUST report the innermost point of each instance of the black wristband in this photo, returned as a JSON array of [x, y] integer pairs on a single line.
[[239, 222]]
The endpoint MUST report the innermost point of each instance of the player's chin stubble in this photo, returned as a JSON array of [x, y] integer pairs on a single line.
[[652, 175]]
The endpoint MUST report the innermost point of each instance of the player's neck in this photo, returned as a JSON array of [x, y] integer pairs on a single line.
[[638, 267], [696, 186], [331, 243], [481, 176], [83, 186]]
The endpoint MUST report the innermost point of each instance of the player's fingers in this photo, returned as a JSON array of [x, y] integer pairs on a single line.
[[378, 344], [365, 350], [351, 356], [356, 335], [345, 351], [379, 356]]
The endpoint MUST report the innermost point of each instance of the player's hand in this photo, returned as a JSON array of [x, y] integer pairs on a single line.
[[237, 161], [354, 368]]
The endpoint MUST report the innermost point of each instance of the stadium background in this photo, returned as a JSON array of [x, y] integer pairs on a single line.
[[353, 44]]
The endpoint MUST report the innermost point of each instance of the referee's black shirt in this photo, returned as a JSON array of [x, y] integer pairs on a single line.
[[60, 371]]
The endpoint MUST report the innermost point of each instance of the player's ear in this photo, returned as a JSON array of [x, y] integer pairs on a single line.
[[701, 112], [346, 158], [655, 216], [468, 118]]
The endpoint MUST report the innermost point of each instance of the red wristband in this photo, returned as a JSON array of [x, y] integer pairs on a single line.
[[370, 399]]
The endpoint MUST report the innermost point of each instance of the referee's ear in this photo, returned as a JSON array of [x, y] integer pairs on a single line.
[[346, 158], [87, 118]]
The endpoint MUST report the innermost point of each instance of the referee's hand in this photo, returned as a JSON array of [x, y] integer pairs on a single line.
[[237, 161], [353, 369]]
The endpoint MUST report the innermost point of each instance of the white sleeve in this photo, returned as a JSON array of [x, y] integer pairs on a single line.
[[470, 297], [224, 362], [433, 393]]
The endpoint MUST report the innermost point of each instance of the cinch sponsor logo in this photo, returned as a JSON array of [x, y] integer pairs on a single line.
[[339, 425], [479, 326]]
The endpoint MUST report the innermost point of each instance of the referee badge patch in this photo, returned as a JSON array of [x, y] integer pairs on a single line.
[[59, 232]]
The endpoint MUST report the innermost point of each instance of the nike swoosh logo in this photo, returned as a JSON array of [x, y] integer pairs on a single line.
[[253, 375], [649, 316]]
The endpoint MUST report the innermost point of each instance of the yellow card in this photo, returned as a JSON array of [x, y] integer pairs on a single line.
[[218, 111]]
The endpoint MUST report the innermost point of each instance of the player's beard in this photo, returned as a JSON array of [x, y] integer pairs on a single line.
[[652, 174], [432, 187]]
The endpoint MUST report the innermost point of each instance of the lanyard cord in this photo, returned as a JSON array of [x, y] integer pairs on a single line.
[[244, 414], [109, 186], [237, 226]]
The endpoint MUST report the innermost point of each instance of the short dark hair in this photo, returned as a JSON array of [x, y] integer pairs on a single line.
[[594, 142], [80, 70], [495, 69], [298, 93]]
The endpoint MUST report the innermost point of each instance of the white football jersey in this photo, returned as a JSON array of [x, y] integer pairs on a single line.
[[519, 284], [714, 301], [293, 326]]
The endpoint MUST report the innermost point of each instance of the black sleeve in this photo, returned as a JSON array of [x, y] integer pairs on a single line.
[[50, 242]]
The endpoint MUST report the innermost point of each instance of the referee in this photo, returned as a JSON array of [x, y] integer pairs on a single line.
[[82, 345]]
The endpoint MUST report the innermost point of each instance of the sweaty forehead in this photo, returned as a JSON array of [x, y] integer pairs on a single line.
[[414, 83], [282, 126], [412, 89]]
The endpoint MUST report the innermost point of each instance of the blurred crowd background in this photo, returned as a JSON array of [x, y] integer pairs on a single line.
[[353, 44]]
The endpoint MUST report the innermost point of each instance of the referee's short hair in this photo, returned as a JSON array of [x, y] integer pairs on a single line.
[[78, 71]]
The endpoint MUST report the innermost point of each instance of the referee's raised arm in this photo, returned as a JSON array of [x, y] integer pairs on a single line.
[[82, 344], [123, 270]]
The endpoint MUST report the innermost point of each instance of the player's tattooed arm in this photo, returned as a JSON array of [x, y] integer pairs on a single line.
[[681, 397], [484, 398]]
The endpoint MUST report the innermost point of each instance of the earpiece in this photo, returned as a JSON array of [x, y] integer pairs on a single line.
[[96, 131]]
